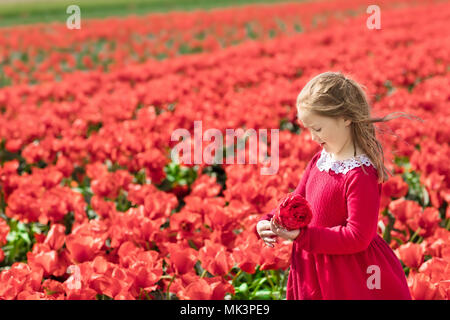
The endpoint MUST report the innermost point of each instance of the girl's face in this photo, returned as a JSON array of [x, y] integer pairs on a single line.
[[333, 134]]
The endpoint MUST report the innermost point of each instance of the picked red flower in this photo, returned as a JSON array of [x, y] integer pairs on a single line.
[[293, 212]]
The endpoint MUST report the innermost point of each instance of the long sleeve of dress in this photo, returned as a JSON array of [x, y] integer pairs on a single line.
[[300, 188], [363, 200]]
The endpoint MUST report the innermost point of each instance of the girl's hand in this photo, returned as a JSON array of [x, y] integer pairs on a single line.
[[282, 232], [267, 235]]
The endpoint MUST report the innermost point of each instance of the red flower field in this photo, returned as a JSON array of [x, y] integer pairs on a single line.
[[91, 205]]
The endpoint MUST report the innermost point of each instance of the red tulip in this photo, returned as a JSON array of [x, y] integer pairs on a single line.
[[434, 183], [185, 223], [205, 187], [53, 288], [215, 258], [405, 209], [197, 290], [293, 212], [182, 259], [20, 277], [47, 260], [4, 230], [395, 187], [428, 221], [436, 268], [411, 254], [247, 253], [83, 248], [280, 258], [146, 269], [206, 289], [55, 236], [422, 288]]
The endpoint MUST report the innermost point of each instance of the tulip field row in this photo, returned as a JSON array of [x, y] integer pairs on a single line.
[[93, 207], [42, 52]]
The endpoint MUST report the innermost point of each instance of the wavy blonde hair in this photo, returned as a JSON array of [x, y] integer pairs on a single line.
[[332, 94]]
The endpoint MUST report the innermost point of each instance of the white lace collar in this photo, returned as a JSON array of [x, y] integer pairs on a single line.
[[325, 162]]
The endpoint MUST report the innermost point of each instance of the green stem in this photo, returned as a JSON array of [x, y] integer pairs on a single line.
[[283, 284], [203, 273], [414, 235], [270, 280], [168, 287], [256, 289], [237, 275], [275, 274]]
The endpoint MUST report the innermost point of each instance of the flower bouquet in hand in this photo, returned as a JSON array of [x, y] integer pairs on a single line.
[[293, 212]]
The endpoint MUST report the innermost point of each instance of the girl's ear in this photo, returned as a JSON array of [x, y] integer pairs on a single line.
[[347, 122]]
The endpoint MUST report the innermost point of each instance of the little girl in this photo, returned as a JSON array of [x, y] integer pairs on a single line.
[[339, 255]]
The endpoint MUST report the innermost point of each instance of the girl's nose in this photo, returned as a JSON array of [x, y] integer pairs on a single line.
[[314, 138], [319, 141]]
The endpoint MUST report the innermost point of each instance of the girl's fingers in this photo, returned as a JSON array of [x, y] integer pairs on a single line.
[[275, 224], [267, 233], [273, 227], [278, 227], [277, 230], [269, 240], [266, 238]]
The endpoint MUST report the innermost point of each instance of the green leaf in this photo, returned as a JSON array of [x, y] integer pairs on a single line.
[[20, 240], [263, 295], [92, 215], [68, 221], [25, 237], [258, 283], [243, 288]]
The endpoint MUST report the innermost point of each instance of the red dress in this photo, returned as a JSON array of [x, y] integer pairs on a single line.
[[340, 255]]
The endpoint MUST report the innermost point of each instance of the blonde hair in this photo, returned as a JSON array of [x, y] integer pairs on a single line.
[[331, 94]]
